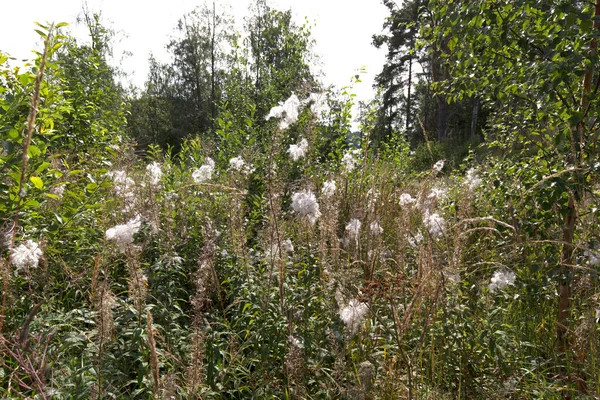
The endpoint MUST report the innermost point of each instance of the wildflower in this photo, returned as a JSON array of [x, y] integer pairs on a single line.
[[26, 255], [298, 151], [376, 229], [349, 161], [353, 315], [434, 224], [123, 234], [328, 189], [154, 173], [240, 165], [438, 166], [415, 240], [406, 199], [353, 228], [288, 111], [305, 204], [204, 173], [472, 180], [501, 279]]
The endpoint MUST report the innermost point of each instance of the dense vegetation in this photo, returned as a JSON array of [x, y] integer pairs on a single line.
[[223, 233]]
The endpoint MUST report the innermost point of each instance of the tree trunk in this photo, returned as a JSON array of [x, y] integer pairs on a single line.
[[475, 117], [442, 117], [408, 95], [570, 221], [212, 72]]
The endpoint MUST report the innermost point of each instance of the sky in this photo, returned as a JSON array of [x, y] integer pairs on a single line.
[[342, 29]]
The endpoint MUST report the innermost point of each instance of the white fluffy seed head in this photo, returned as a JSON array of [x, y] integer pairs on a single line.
[[154, 173], [328, 189], [26, 255], [353, 315], [304, 203], [501, 279], [123, 234], [298, 151], [435, 224]]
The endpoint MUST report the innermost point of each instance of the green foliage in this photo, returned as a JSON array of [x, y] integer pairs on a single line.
[[354, 268]]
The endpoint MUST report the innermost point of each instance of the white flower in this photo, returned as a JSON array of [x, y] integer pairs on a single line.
[[298, 151], [26, 255], [406, 199], [349, 160], [154, 173], [305, 204], [376, 229], [439, 165], [240, 165], [472, 180], [328, 189], [353, 315], [414, 241], [501, 279], [353, 228], [204, 173], [434, 224], [123, 234], [288, 112]]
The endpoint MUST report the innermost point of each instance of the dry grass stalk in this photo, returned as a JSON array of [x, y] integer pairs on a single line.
[[153, 354], [138, 283]]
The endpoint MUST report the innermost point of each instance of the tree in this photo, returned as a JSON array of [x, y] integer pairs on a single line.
[[396, 78], [535, 63], [91, 89], [412, 68], [181, 97], [279, 56]]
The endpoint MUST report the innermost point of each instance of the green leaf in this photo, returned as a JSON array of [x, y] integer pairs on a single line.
[[34, 151], [32, 203], [37, 181], [42, 167]]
